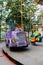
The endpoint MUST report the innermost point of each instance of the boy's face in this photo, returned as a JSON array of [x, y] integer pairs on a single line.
[[16, 28]]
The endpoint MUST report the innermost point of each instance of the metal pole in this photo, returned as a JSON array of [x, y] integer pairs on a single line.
[[22, 17], [0, 21], [0, 24], [21, 12], [0, 30]]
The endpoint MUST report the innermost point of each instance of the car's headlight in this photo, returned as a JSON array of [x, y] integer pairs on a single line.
[[27, 39], [13, 40]]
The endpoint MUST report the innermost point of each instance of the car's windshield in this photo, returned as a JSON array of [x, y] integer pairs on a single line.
[[21, 36]]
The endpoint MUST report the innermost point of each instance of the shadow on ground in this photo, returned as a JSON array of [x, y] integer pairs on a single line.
[[20, 49]]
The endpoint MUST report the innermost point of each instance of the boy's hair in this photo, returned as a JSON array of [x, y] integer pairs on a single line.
[[16, 25]]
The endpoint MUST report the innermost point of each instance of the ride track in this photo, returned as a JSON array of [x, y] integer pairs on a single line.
[[6, 58], [1, 55], [4, 55], [28, 56], [11, 60]]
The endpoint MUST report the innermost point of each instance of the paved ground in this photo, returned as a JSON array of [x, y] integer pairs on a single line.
[[33, 55], [3, 59]]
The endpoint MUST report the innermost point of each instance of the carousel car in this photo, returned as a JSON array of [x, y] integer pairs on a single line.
[[39, 38], [36, 37], [32, 38], [16, 38]]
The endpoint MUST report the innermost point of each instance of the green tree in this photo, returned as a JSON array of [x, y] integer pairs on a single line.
[[21, 11]]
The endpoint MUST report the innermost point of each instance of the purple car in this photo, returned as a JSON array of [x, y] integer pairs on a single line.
[[16, 38]]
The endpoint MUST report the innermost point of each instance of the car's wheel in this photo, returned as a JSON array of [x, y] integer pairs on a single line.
[[33, 43], [11, 48], [27, 45], [7, 45]]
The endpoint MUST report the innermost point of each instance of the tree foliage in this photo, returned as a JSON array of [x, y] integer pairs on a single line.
[[21, 10]]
